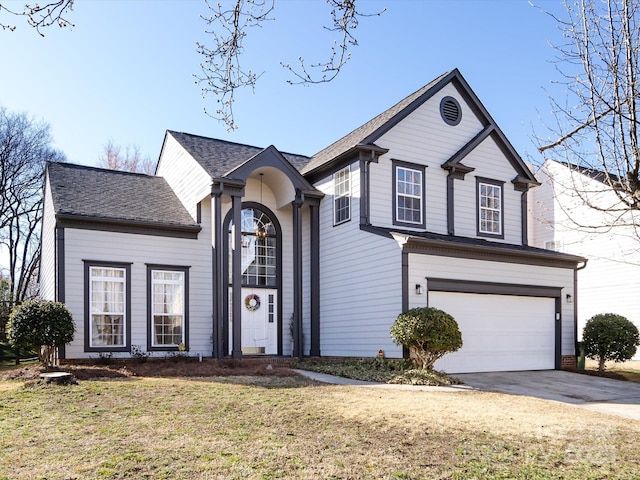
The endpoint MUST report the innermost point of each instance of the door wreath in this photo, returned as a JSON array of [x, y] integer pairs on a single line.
[[252, 302]]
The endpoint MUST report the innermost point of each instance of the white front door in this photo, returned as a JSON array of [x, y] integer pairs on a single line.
[[259, 321]]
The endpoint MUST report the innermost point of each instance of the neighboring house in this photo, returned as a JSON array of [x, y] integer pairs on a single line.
[[426, 204], [565, 223]]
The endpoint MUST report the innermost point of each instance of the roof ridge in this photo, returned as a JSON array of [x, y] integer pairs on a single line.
[[231, 142], [101, 169]]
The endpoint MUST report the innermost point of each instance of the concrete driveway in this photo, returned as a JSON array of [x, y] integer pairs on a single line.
[[604, 395]]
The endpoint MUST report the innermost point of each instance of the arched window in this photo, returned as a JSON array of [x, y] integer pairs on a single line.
[[259, 252]]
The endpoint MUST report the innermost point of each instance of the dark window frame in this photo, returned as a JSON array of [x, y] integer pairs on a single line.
[[87, 306], [418, 168], [495, 183], [167, 268], [337, 221]]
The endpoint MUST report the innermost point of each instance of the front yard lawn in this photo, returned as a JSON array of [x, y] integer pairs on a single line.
[[289, 427]]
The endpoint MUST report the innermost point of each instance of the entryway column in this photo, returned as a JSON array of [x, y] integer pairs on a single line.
[[314, 242], [236, 278], [218, 275], [298, 339]]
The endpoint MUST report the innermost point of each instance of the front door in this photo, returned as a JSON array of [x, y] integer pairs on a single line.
[[259, 321], [260, 269]]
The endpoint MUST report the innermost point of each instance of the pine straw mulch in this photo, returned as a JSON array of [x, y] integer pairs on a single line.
[[151, 368]]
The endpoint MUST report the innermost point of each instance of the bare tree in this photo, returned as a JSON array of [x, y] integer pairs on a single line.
[[597, 131], [25, 147], [40, 16], [130, 161], [228, 24], [222, 71]]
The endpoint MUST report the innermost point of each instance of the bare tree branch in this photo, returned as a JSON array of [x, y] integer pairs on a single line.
[[222, 72], [41, 16], [598, 129], [345, 18], [25, 147]]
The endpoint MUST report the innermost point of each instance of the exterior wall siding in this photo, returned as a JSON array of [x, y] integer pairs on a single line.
[[141, 250], [186, 177], [489, 163], [609, 283], [422, 266], [424, 139], [48, 252], [360, 282]]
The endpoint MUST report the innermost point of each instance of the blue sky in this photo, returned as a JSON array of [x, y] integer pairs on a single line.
[[124, 73]]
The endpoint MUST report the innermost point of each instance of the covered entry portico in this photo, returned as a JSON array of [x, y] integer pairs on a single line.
[[267, 286]]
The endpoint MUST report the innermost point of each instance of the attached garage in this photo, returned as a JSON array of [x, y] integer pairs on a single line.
[[499, 332], [504, 327]]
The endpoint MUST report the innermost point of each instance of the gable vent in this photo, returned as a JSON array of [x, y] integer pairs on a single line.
[[450, 111]]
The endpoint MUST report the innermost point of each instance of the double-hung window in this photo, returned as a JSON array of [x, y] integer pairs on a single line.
[[490, 212], [342, 196], [408, 194], [168, 293], [107, 306]]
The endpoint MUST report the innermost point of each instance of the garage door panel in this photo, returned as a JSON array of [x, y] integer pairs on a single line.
[[499, 332]]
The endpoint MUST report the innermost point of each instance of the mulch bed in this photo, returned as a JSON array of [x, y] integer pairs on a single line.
[[152, 368]]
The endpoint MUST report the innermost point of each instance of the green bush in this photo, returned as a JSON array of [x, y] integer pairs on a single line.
[[608, 336], [428, 333], [42, 326]]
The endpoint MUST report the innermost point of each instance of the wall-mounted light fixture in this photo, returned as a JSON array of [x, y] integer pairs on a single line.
[[418, 289], [569, 298]]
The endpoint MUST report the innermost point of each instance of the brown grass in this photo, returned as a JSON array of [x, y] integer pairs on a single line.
[[288, 427]]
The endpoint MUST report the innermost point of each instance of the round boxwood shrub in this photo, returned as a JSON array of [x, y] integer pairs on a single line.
[[429, 333], [40, 325], [608, 336]]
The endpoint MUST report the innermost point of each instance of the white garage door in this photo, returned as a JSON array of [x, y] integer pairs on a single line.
[[499, 332]]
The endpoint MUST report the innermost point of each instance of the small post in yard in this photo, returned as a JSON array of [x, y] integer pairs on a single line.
[[17, 355]]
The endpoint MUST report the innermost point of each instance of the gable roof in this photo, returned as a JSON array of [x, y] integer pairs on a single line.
[[90, 194], [219, 157], [592, 173], [370, 132], [374, 128]]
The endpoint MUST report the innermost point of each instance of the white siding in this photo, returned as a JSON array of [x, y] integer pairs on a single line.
[[610, 281], [48, 252], [422, 266], [360, 282], [140, 250], [184, 175], [424, 139], [490, 163]]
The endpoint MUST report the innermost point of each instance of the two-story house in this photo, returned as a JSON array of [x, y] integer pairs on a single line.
[[233, 250], [606, 234]]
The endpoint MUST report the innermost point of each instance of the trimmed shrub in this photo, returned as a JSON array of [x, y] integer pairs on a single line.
[[428, 333], [42, 326], [608, 336]]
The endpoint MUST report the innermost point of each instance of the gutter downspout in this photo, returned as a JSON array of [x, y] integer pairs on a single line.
[[575, 306]]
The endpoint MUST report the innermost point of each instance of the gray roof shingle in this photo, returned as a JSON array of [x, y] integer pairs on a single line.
[[94, 193], [218, 157]]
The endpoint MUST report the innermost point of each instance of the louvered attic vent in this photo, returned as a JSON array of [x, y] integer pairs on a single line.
[[450, 111]]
